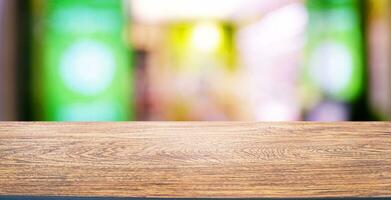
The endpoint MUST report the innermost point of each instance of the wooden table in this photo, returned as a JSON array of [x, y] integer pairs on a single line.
[[196, 159]]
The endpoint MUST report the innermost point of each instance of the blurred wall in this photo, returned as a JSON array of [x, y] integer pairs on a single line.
[[7, 60]]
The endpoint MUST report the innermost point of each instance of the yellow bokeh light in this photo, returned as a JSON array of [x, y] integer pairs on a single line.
[[206, 37]]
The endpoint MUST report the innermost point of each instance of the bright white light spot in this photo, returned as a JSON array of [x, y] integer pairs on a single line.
[[331, 67], [279, 26], [173, 10], [276, 111], [206, 37], [87, 67]]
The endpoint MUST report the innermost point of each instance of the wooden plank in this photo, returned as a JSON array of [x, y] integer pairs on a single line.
[[196, 159]]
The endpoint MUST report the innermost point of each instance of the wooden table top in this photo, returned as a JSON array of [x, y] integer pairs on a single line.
[[196, 159]]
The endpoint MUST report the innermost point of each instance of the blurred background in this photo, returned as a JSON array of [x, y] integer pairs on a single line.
[[258, 60]]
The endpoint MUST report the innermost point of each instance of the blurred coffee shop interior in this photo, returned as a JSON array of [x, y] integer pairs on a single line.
[[195, 60]]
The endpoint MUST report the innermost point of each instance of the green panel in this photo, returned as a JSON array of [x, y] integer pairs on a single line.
[[82, 65], [334, 64]]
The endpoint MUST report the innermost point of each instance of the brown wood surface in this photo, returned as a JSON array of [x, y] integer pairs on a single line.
[[195, 159]]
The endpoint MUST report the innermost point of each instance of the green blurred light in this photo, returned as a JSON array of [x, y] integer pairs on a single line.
[[334, 50], [82, 66]]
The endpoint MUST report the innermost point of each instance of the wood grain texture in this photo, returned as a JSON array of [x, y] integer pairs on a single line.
[[196, 159]]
